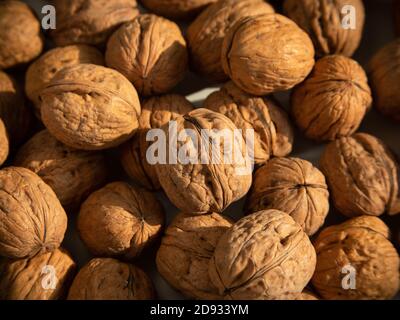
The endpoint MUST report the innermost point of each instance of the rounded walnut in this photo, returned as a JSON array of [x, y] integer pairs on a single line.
[[32, 218], [265, 255], [4, 143], [110, 279], [261, 69], [333, 100], [186, 250], [151, 52], [356, 261], [294, 186], [90, 107]]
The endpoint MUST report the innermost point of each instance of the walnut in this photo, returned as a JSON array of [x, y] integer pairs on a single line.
[[90, 107], [307, 296], [186, 250], [120, 220], [294, 186], [322, 20], [34, 278], [265, 255], [20, 37], [151, 52], [110, 279], [206, 34], [156, 112], [4, 143], [362, 175], [32, 219], [333, 100], [360, 248], [259, 69], [273, 133], [72, 174]]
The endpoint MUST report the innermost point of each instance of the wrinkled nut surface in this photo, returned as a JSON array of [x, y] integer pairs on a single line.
[[43, 277], [322, 20], [120, 220], [265, 255], [32, 218], [273, 132], [72, 174], [4, 143], [206, 34], [110, 279], [151, 52], [20, 37], [90, 107], [259, 69], [362, 176], [333, 100], [186, 250], [294, 186], [361, 247]]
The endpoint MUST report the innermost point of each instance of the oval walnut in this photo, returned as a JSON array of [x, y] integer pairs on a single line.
[[4, 143]]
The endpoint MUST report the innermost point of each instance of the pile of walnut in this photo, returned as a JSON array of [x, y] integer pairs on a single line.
[[109, 79]]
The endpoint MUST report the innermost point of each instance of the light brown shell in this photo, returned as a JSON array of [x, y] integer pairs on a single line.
[[262, 69], [273, 132], [294, 186], [72, 174], [31, 279], [120, 220], [110, 279], [322, 20], [362, 176], [20, 37], [186, 250], [32, 219], [90, 107], [361, 243], [333, 100], [206, 34], [151, 52], [265, 255], [4, 143]]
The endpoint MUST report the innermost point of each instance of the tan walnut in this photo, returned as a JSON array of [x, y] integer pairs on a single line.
[[151, 52], [206, 34], [265, 255], [186, 250], [32, 218], [4, 143], [358, 248], [261, 69], [90, 107], [294, 186], [333, 100], [110, 279], [362, 176]]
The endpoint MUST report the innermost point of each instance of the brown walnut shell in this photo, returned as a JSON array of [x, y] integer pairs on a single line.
[[4, 143], [32, 218], [360, 248], [186, 250], [265, 255]]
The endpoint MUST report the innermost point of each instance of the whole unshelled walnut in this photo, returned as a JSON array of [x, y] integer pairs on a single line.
[[186, 250], [90, 107], [43, 277], [206, 34], [72, 174], [333, 100], [273, 132], [324, 21], [294, 186], [265, 255], [20, 37], [32, 219], [359, 250], [4, 143], [151, 52], [110, 279], [120, 220], [362, 176], [262, 69]]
